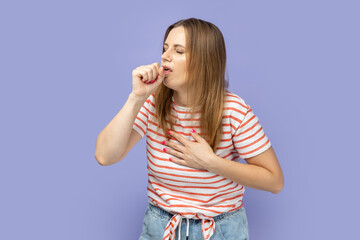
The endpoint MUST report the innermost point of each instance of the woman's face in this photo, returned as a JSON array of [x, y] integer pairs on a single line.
[[174, 57]]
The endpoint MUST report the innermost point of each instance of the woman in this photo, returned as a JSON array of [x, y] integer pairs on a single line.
[[194, 170]]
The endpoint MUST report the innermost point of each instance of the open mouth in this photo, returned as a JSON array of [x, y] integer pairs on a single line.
[[167, 70]]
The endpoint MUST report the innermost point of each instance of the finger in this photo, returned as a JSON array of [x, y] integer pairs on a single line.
[[179, 137], [156, 75], [148, 70], [141, 75], [178, 161], [138, 74], [157, 66], [196, 136], [171, 152], [146, 76], [174, 153], [154, 72], [159, 77], [176, 146]]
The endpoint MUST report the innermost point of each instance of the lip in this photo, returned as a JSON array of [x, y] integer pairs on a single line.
[[164, 66]]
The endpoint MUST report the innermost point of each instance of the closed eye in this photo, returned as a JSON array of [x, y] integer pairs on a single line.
[[164, 50]]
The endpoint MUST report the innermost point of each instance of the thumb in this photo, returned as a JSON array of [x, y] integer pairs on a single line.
[[159, 78], [161, 73]]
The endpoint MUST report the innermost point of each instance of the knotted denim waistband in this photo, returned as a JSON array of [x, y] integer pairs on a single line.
[[207, 223]]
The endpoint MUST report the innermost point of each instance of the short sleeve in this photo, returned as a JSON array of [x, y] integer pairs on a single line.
[[141, 121], [249, 138]]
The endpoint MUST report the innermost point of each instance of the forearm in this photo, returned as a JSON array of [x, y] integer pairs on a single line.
[[245, 174], [112, 140]]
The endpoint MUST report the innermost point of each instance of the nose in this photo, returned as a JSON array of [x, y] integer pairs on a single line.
[[166, 56]]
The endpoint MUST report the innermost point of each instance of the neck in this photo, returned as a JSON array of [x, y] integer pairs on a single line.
[[181, 99]]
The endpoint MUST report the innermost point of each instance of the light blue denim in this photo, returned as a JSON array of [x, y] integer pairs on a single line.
[[228, 226]]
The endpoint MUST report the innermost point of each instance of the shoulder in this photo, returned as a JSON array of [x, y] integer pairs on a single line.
[[149, 105], [235, 108], [234, 103], [151, 98], [240, 113], [150, 102]]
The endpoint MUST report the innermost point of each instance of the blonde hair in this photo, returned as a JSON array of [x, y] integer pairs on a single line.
[[205, 79]]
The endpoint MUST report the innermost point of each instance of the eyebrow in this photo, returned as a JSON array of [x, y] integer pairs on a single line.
[[175, 45]]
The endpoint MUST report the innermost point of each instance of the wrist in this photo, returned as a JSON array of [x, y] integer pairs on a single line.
[[213, 163], [135, 98]]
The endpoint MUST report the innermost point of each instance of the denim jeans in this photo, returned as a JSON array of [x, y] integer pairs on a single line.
[[228, 226]]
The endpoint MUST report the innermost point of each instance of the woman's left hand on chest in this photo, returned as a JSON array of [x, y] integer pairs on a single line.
[[191, 154]]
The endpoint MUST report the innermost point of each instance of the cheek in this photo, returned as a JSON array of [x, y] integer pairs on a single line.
[[183, 65]]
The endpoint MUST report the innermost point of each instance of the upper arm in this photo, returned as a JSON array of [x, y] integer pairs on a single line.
[[269, 161], [133, 139], [140, 125]]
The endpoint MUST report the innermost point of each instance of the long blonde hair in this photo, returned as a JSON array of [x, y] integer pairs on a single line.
[[205, 79]]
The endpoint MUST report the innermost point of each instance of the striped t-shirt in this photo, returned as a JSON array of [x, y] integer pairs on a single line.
[[191, 193]]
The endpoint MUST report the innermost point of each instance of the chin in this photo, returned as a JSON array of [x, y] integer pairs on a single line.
[[166, 85]]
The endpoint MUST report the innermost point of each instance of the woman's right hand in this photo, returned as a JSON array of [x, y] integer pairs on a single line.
[[146, 79]]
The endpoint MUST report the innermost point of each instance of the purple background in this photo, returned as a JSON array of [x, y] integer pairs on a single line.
[[65, 70]]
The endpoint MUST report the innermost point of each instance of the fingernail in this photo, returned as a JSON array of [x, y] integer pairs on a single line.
[[169, 132], [192, 130], [164, 149], [163, 142], [170, 159]]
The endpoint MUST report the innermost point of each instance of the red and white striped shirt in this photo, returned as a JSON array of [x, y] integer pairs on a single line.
[[191, 193]]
